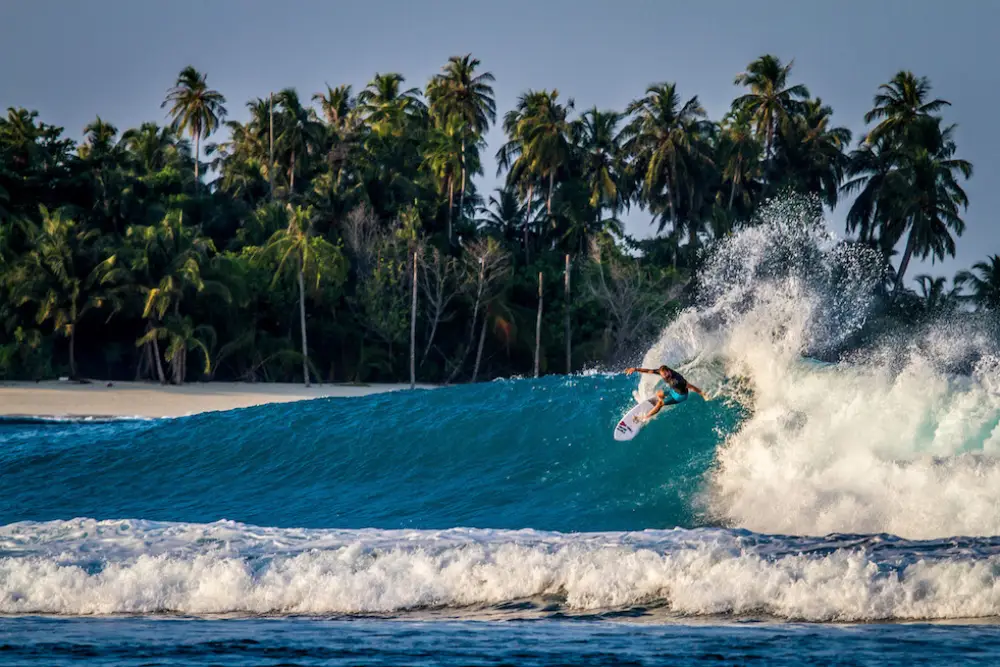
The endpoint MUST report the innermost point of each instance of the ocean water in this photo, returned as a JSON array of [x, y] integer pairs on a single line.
[[810, 513]]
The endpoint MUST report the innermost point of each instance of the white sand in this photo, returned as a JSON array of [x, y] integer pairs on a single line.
[[139, 399]]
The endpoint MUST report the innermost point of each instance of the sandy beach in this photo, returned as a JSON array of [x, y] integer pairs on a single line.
[[140, 399]]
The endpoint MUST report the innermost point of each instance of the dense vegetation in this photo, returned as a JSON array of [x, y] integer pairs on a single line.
[[311, 228]]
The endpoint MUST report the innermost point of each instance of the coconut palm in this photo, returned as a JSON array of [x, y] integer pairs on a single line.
[[298, 134], [51, 273], [195, 108], [936, 297], [739, 154], [388, 109], [181, 335], [152, 148], [812, 158], [666, 139], [869, 167], [504, 215], [596, 138], [545, 139], [98, 140], [338, 105], [984, 283], [510, 157], [458, 92], [901, 103], [771, 99], [924, 197], [444, 157], [313, 259]]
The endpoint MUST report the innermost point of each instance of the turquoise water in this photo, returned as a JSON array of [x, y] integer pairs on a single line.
[[840, 513], [491, 524], [505, 454]]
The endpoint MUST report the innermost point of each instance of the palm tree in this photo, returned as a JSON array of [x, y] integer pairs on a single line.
[[504, 215], [511, 156], [298, 134], [771, 99], [338, 105], [460, 93], [924, 195], [936, 297], [665, 137], [596, 138], [869, 167], [984, 281], [195, 108], [99, 140], [385, 107], [312, 258], [901, 103], [160, 264], [152, 148], [445, 157], [739, 156], [50, 274], [181, 335], [813, 158], [545, 139]]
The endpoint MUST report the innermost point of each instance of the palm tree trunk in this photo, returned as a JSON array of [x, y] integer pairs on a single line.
[[156, 356], [904, 264], [472, 331], [291, 177], [270, 148], [482, 339], [538, 326], [197, 154], [548, 203], [72, 351], [566, 322], [732, 191], [413, 327], [451, 203], [302, 324], [767, 156], [461, 195], [527, 221]]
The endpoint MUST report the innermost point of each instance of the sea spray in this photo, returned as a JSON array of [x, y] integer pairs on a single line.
[[889, 440]]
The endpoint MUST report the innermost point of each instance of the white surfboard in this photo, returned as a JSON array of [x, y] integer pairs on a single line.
[[629, 425]]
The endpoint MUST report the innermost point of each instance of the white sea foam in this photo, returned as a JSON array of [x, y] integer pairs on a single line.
[[893, 441], [85, 567]]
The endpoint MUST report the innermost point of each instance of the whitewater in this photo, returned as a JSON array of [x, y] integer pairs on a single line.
[[835, 476]]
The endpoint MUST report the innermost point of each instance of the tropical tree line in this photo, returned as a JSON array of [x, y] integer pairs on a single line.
[[344, 238]]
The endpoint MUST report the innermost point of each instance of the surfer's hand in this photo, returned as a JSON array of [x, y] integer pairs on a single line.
[[629, 371]]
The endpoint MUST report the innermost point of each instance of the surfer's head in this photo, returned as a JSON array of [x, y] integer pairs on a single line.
[[665, 371]]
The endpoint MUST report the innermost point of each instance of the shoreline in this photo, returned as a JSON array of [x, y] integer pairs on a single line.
[[55, 400]]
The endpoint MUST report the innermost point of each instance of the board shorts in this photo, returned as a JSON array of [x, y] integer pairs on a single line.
[[670, 395]]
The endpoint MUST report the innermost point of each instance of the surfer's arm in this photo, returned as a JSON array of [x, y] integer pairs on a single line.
[[695, 389], [629, 371]]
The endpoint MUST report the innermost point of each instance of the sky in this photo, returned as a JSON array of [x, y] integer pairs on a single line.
[[73, 60]]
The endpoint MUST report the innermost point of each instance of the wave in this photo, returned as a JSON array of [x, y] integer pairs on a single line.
[[85, 567], [505, 454], [901, 437]]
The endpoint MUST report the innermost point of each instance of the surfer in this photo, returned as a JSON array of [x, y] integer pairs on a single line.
[[670, 380]]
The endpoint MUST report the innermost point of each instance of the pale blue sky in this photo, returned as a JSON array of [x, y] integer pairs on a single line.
[[72, 60]]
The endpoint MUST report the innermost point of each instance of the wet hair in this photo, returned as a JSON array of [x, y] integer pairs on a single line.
[[665, 369]]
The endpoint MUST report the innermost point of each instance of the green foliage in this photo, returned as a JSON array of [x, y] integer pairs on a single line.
[[298, 259]]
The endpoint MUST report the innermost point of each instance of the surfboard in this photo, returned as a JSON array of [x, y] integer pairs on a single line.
[[629, 425]]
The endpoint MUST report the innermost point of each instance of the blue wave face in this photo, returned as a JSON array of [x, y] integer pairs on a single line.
[[506, 454]]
